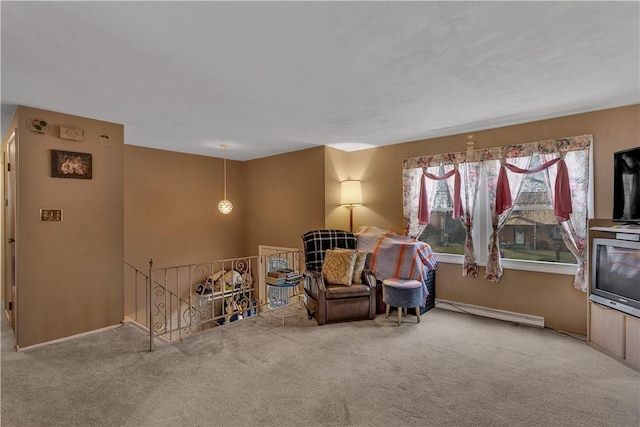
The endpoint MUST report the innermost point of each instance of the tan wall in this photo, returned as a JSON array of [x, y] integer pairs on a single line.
[[286, 198], [548, 295], [380, 170], [171, 213], [338, 168], [69, 273], [169, 203]]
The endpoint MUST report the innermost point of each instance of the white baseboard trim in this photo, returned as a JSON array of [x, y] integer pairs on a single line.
[[72, 337], [158, 338], [510, 316]]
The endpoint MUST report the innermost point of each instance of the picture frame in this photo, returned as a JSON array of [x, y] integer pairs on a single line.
[[70, 164]]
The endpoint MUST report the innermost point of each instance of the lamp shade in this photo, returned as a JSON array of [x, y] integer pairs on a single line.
[[351, 193]]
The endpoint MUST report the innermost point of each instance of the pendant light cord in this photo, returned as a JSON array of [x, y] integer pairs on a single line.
[[225, 177], [225, 206]]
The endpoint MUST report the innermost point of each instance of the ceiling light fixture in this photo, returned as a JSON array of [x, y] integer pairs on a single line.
[[224, 205]]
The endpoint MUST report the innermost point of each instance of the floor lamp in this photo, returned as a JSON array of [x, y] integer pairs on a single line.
[[350, 196]]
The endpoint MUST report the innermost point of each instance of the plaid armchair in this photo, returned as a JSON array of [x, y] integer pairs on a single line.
[[329, 302]]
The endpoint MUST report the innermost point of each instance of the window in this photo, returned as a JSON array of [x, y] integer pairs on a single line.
[[532, 232], [527, 235], [444, 233]]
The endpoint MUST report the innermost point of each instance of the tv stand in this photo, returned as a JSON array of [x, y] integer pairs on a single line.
[[610, 331], [615, 333], [618, 228]]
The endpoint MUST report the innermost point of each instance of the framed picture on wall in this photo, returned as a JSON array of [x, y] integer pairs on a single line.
[[69, 164]]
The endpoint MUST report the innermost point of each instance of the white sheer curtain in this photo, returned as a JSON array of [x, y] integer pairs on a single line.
[[494, 269], [574, 230], [451, 176], [411, 196], [470, 177], [418, 211]]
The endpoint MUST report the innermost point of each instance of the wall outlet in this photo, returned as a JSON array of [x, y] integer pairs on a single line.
[[50, 214]]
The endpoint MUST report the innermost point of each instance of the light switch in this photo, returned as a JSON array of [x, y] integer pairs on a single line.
[[50, 214]]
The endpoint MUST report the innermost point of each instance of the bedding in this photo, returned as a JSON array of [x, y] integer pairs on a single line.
[[393, 255]]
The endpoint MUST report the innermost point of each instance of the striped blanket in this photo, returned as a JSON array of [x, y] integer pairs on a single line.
[[393, 255]]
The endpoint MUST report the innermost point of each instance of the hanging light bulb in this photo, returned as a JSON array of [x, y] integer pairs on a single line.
[[224, 205]]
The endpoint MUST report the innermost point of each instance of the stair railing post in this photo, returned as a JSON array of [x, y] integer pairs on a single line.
[[150, 308]]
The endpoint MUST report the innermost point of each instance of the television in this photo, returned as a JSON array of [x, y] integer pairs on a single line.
[[626, 186], [615, 274]]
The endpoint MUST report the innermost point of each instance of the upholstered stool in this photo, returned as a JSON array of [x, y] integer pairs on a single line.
[[402, 293]]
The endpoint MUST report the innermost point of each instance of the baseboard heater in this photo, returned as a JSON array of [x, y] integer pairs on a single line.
[[509, 316]]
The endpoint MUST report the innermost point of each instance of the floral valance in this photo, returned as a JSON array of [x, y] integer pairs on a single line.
[[560, 145]]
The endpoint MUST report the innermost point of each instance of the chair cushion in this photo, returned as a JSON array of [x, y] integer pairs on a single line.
[[316, 242], [338, 266], [402, 293], [340, 291], [402, 283]]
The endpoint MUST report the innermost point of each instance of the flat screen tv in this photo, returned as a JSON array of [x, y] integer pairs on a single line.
[[626, 186], [615, 275]]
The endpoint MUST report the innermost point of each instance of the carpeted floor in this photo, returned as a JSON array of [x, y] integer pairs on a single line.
[[452, 369]]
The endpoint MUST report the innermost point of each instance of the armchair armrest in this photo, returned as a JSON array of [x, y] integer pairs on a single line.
[[315, 295], [313, 283], [368, 278], [312, 273]]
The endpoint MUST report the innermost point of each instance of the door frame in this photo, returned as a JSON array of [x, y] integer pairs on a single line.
[[9, 226]]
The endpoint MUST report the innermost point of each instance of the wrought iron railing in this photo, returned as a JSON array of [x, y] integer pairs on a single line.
[[136, 297], [182, 300]]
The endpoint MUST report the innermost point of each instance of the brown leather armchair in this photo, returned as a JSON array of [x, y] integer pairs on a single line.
[[330, 303]]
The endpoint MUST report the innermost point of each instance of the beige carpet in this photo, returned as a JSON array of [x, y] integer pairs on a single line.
[[452, 369]]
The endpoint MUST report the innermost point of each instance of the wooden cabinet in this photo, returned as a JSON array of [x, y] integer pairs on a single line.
[[632, 341], [607, 329], [611, 331], [615, 333]]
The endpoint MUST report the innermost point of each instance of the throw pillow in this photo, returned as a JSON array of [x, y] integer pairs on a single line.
[[359, 266], [338, 266]]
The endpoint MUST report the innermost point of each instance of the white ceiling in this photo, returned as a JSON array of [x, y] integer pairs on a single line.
[[273, 77]]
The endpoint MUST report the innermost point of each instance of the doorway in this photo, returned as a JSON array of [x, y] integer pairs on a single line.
[[9, 191]]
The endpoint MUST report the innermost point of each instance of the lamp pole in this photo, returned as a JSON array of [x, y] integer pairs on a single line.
[[350, 196], [350, 207]]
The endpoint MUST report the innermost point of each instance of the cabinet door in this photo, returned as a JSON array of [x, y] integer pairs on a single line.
[[607, 329], [632, 348]]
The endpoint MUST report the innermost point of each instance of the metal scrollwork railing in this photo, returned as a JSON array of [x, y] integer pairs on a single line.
[[154, 305], [182, 300]]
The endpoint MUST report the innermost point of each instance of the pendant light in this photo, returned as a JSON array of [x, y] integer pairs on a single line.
[[224, 205]]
